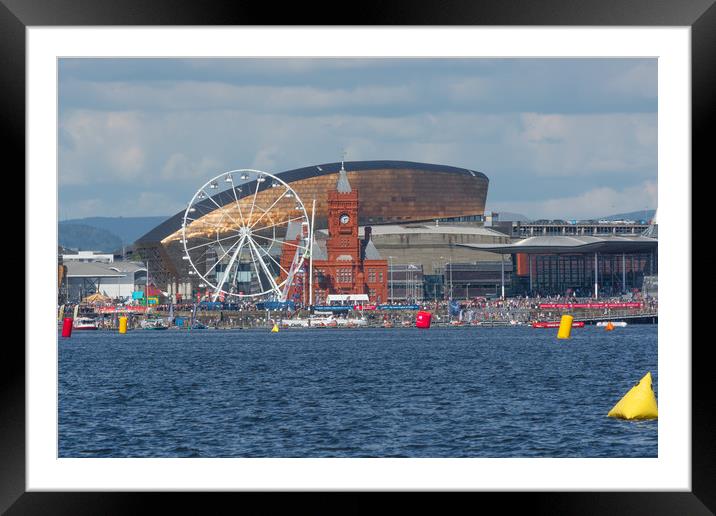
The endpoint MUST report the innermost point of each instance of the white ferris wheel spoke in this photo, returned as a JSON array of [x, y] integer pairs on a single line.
[[238, 204], [253, 203], [266, 253], [281, 242], [278, 224], [228, 267], [256, 268], [212, 242], [223, 211], [269, 208], [222, 257], [267, 271]]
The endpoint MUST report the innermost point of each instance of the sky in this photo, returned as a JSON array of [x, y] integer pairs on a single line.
[[558, 138]]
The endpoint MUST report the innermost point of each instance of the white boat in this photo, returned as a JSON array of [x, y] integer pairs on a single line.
[[616, 324], [154, 324], [328, 321], [85, 323]]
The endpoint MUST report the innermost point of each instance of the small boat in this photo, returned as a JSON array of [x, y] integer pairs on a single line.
[[555, 324], [616, 324], [154, 324], [85, 323], [319, 321]]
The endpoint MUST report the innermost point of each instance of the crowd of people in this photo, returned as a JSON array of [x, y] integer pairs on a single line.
[[514, 309]]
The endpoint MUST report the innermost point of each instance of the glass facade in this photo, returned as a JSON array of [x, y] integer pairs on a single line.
[[563, 274]]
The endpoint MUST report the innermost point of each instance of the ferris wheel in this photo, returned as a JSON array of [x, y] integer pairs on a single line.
[[234, 231]]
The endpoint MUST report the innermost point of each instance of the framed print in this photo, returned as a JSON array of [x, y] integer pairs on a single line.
[[71, 128]]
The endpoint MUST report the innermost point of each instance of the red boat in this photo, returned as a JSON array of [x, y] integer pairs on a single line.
[[555, 324]]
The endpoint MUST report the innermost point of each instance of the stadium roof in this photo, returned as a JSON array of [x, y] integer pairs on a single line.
[[571, 244], [91, 270], [120, 269], [173, 223], [421, 229]]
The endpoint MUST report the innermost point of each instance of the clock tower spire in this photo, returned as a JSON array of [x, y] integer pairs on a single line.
[[343, 244]]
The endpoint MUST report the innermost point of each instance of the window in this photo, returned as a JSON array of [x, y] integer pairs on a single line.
[[344, 276]]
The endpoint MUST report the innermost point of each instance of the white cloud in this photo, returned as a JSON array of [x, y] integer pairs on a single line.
[[637, 81], [582, 145], [106, 146], [205, 95], [150, 204], [167, 135], [266, 158], [180, 168], [597, 202]]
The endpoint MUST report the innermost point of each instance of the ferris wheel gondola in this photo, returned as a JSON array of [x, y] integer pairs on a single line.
[[234, 230]]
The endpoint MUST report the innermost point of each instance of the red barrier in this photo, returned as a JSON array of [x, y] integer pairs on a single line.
[[365, 307], [67, 327], [422, 320], [590, 305], [113, 309], [555, 324]]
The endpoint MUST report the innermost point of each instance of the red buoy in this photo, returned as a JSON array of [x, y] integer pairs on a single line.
[[422, 320], [67, 327]]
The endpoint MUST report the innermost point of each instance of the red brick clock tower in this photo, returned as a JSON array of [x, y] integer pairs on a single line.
[[343, 246], [352, 265], [343, 222]]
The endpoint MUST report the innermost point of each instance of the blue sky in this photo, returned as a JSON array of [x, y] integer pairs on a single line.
[[558, 138]]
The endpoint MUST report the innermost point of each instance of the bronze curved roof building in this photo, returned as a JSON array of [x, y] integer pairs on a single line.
[[389, 191]]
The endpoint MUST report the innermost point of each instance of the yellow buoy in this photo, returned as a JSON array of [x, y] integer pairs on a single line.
[[123, 324], [565, 327], [638, 403], [274, 329]]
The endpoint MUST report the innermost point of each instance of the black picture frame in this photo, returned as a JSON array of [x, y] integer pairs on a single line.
[[17, 15]]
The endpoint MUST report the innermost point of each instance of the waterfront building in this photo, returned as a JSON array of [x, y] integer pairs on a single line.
[[579, 265], [117, 280], [393, 192], [88, 256], [343, 263], [427, 254], [596, 228]]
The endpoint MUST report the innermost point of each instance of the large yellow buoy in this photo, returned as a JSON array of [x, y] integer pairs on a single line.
[[638, 403], [275, 328], [123, 324], [565, 327]]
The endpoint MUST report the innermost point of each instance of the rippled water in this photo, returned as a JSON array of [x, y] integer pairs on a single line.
[[454, 392]]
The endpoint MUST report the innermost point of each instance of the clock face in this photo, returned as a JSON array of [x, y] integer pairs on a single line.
[[344, 219]]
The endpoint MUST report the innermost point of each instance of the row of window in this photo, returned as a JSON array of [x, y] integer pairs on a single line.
[[345, 275], [374, 276]]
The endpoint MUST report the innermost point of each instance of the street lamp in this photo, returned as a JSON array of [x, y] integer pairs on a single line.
[[390, 262], [450, 262]]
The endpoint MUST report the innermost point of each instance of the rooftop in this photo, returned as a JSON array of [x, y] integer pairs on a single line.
[[101, 270], [421, 229], [552, 244]]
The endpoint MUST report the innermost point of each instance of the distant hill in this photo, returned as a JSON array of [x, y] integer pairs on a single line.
[[646, 215], [127, 229], [87, 238]]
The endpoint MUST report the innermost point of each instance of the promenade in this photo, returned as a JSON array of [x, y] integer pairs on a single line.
[[477, 311]]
